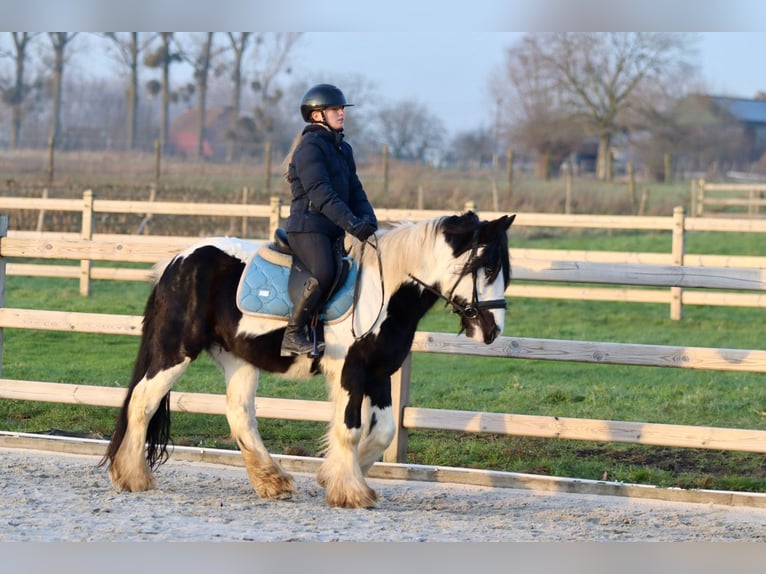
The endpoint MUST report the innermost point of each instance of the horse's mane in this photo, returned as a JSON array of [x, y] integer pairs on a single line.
[[406, 239], [410, 240]]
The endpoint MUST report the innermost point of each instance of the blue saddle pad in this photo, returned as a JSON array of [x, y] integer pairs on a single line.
[[263, 289]]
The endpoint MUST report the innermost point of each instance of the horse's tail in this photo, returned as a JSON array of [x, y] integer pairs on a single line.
[[158, 431]]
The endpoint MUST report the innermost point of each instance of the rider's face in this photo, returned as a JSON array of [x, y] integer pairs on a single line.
[[334, 117]]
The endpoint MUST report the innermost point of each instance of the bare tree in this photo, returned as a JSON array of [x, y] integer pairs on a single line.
[[163, 57], [59, 43], [410, 130], [129, 49], [201, 60], [594, 75], [538, 116], [14, 94], [270, 60], [239, 43]]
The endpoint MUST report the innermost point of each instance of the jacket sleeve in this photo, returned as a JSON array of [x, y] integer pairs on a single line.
[[358, 201], [311, 168]]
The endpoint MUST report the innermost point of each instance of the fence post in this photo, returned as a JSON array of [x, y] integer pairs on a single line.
[[243, 232], [3, 233], [86, 235], [267, 167], [678, 249], [385, 169], [632, 187], [700, 198], [41, 213], [275, 205], [400, 398]]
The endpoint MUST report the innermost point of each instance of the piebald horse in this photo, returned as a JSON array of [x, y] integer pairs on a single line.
[[458, 259]]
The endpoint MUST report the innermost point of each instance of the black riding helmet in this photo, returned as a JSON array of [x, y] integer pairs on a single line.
[[320, 97]]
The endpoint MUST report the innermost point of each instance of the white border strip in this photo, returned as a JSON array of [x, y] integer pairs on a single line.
[[424, 473]]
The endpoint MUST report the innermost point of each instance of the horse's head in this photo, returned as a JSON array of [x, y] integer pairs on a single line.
[[480, 272]]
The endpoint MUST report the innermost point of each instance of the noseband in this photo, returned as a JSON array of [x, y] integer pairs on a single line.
[[469, 310]]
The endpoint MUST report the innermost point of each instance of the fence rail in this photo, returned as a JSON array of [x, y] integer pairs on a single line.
[[750, 195], [407, 416], [533, 265]]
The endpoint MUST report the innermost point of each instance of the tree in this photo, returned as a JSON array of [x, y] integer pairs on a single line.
[[697, 131], [410, 131], [594, 75], [163, 57], [59, 42], [270, 59], [473, 147], [200, 62], [540, 120], [239, 43], [14, 94], [129, 49]]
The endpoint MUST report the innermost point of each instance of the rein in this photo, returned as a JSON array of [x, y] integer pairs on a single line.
[[468, 311], [358, 287]]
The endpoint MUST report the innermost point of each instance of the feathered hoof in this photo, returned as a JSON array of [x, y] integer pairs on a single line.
[[272, 484], [360, 496], [131, 482]]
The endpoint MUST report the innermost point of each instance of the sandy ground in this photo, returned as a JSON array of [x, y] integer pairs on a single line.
[[47, 496]]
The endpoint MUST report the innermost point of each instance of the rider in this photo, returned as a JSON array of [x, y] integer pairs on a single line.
[[327, 200]]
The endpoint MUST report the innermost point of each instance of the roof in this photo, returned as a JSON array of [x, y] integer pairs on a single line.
[[745, 110]]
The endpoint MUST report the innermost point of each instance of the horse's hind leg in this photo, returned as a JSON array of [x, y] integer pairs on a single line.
[[266, 476], [129, 469]]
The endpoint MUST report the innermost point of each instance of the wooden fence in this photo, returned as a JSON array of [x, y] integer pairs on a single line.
[[725, 195], [139, 248], [407, 416]]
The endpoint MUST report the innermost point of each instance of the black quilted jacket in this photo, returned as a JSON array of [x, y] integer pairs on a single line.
[[327, 196]]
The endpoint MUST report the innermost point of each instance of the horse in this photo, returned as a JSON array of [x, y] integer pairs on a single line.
[[403, 271]]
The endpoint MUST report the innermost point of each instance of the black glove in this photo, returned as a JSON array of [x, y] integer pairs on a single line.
[[362, 229]]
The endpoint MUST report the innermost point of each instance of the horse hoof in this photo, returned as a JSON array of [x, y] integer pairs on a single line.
[[131, 483], [364, 498]]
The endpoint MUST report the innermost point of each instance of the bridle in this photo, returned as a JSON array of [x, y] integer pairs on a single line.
[[470, 310]]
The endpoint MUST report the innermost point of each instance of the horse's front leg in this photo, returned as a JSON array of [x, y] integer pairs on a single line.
[[380, 431], [266, 476], [340, 473]]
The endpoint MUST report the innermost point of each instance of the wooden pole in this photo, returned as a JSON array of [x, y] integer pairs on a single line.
[[668, 176], [51, 147], [157, 156], [275, 206], [568, 196], [678, 251], [243, 232], [400, 399], [267, 168], [3, 233], [385, 169], [632, 187], [41, 214], [86, 235]]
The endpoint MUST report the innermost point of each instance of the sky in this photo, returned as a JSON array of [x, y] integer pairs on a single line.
[[441, 53], [449, 72]]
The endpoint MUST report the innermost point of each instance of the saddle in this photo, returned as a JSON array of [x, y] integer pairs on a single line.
[[267, 283]]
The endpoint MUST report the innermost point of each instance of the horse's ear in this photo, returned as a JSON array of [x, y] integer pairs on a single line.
[[491, 229]]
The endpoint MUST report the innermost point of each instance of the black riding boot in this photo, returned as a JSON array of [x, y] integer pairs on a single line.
[[296, 340]]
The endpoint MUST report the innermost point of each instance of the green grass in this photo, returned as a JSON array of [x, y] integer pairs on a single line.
[[549, 388]]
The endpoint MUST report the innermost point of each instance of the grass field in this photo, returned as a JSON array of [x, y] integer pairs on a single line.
[[643, 394]]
